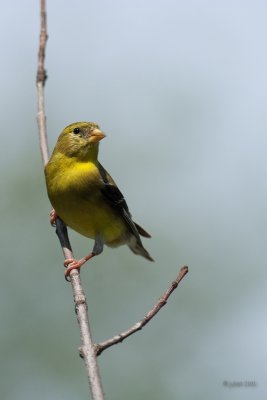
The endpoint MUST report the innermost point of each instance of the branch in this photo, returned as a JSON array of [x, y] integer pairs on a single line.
[[40, 83], [99, 348], [88, 349]]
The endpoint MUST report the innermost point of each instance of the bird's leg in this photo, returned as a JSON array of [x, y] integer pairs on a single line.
[[71, 263], [53, 217]]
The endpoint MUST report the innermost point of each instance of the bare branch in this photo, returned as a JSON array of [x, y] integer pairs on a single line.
[[88, 349], [99, 348], [40, 83]]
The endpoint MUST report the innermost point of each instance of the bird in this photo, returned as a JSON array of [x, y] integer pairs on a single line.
[[86, 198]]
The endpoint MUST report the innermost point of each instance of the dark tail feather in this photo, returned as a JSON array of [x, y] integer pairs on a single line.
[[137, 248], [141, 231]]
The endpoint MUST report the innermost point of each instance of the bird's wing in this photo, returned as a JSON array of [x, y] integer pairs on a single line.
[[114, 196]]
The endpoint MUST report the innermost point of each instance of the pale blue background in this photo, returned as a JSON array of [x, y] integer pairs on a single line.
[[180, 88]]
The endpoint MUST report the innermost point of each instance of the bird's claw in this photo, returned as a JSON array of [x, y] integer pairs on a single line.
[[53, 217], [70, 264]]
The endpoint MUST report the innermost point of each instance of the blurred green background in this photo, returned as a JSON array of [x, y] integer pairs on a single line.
[[180, 88]]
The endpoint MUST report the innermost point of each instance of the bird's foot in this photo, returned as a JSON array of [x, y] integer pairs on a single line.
[[71, 263], [53, 217]]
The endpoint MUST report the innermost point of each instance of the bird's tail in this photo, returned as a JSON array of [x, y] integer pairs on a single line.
[[141, 231], [137, 248]]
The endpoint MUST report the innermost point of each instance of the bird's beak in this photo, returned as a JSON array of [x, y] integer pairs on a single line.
[[96, 135]]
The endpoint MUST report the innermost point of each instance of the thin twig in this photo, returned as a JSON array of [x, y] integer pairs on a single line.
[[40, 83], [88, 349], [99, 348]]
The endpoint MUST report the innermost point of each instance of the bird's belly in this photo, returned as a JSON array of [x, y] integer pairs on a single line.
[[91, 217]]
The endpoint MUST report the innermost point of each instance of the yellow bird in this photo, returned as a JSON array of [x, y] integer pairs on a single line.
[[85, 196]]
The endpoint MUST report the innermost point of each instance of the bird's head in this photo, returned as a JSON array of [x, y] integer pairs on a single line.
[[80, 139]]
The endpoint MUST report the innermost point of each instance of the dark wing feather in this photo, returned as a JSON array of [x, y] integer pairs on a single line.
[[116, 199]]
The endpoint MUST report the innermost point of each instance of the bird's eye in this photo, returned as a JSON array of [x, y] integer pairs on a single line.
[[76, 130]]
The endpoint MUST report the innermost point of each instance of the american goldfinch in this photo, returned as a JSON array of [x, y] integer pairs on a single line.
[[85, 196]]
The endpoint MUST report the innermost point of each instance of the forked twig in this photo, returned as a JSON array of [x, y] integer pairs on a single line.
[[89, 351]]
